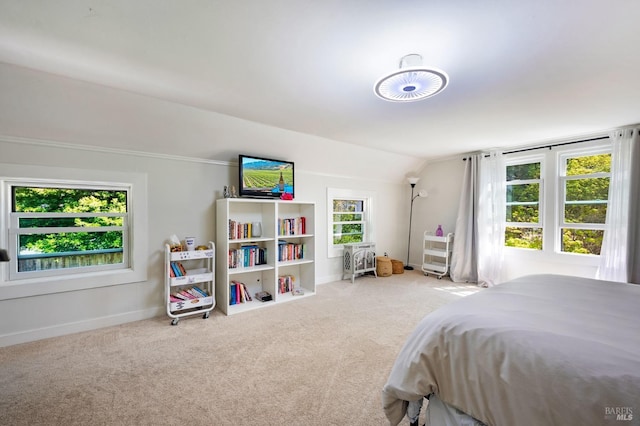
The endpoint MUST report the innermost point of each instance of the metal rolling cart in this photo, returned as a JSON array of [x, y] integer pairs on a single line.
[[436, 254], [189, 282]]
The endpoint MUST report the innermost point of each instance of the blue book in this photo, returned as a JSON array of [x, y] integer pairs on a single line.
[[232, 297], [201, 291], [176, 270]]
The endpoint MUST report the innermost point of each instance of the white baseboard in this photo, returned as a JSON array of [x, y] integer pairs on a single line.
[[76, 327], [328, 279]]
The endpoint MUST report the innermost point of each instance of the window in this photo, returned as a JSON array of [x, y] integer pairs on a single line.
[[56, 229], [567, 215], [350, 214], [349, 225], [524, 195], [584, 185], [71, 229]]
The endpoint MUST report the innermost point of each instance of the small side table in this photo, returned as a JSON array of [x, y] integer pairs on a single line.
[[359, 258]]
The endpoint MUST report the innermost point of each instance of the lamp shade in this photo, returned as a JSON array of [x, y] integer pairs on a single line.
[[4, 256]]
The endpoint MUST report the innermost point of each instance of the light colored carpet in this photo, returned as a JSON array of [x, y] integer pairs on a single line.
[[321, 360]]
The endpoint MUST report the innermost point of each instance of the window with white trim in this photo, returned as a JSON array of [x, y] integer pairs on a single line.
[[57, 228], [71, 229], [524, 224], [567, 216], [349, 218], [584, 191]]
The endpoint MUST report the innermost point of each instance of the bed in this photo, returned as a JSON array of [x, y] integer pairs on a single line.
[[537, 350]]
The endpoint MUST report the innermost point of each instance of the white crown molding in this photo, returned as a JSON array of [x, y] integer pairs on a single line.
[[66, 145]]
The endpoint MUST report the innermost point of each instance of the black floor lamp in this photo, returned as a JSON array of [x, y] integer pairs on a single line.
[[4, 256], [421, 193]]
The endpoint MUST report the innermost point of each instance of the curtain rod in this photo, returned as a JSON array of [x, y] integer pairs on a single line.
[[549, 146]]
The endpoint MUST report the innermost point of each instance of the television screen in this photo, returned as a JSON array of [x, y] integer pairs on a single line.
[[265, 177]]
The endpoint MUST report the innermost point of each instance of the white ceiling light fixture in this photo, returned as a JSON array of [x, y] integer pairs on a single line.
[[412, 83]]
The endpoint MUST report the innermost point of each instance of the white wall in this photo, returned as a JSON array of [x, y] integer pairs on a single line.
[[53, 121], [181, 201], [443, 180], [38, 105]]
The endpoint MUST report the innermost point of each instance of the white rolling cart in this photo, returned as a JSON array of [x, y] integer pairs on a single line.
[[436, 254], [198, 272]]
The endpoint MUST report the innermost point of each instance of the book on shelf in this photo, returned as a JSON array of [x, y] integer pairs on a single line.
[[188, 295], [247, 256], [196, 294], [200, 291], [239, 230], [290, 251], [232, 293], [175, 269], [238, 293], [242, 293], [286, 283], [246, 292], [183, 271], [180, 296], [292, 226], [263, 296]]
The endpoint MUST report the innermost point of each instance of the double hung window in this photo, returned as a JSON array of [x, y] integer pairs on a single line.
[[350, 218], [62, 229], [524, 223], [584, 189], [71, 229], [349, 225], [556, 202]]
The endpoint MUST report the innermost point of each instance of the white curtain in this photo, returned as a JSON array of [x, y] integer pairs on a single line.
[[479, 235], [619, 255], [491, 218]]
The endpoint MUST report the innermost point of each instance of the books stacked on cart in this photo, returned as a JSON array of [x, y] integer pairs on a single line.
[[247, 256], [290, 251], [188, 298], [238, 293], [181, 276], [292, 226]]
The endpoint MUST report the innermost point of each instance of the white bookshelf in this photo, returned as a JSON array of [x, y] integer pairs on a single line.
[[272, 215]]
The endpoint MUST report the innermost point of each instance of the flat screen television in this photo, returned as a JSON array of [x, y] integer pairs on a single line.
[[265, 177]]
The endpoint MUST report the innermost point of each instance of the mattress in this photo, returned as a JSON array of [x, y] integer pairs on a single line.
[[537, 350]]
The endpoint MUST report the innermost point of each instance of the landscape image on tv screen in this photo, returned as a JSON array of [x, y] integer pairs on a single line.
[[266, 177]]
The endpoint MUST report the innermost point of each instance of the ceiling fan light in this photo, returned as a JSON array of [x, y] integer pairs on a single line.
[[411, 83]]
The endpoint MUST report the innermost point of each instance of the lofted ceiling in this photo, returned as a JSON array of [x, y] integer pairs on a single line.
[[521, 72]]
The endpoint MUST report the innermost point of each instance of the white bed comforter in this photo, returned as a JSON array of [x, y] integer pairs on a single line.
[[537, 350]]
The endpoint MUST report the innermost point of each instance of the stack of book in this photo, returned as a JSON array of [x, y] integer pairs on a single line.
[[238, 231], [177, 270], [191, 293], [247, 256], [290, 251], [292, 226], [238, 293], [285, 283]]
